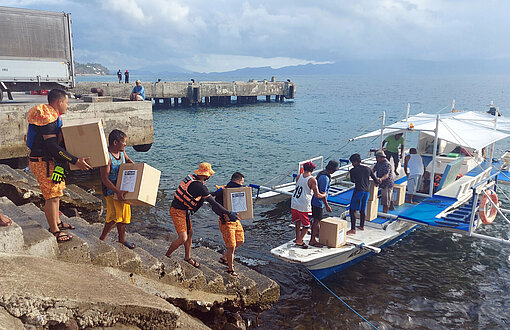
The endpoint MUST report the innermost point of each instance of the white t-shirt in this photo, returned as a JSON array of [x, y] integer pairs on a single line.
[[415, 165], [302, 197]]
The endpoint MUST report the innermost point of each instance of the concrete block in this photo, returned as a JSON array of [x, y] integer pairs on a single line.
[[95, 98], [11, 238], [129, 261], [7, 321]]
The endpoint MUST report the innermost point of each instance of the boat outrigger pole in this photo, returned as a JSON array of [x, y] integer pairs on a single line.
[[434, 152], [382, 129]]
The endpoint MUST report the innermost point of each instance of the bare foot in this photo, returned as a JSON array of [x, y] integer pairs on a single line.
[[351, 232], [5, 220]]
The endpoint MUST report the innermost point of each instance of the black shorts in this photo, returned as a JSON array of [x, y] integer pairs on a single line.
[[317, 213], [390, 155]]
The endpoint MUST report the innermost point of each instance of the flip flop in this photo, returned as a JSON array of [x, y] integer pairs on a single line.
[[317, 245], [303, 245], [223, 261], [129, 245], [61, 225], [192, 262]]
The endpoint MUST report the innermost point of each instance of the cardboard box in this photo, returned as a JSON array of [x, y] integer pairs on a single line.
[[85, 138], [239, 200], [374, 190], [141, 182], [333, 232], [372, 208], [400, 191]]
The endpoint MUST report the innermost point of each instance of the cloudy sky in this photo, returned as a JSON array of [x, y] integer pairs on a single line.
[[222, 35]]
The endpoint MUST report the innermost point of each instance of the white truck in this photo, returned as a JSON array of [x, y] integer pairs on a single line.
[[36, 50]]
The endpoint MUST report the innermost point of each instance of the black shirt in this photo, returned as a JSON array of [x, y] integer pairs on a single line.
[[360, 175], [219, 196], [196, 188]]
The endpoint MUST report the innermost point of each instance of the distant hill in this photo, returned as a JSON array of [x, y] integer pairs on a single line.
[[91, 68]]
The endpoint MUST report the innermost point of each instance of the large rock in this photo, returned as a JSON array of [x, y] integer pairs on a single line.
[[21, 187], [44, 292]]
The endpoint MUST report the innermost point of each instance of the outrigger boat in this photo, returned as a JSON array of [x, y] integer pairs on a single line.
[[461, 197]]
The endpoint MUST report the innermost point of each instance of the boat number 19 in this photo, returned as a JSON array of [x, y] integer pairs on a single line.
[[297, 192]]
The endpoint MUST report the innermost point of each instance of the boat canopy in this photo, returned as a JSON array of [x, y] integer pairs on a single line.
[[467, 129]]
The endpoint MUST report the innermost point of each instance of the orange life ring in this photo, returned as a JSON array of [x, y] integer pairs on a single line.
[[487, 211]]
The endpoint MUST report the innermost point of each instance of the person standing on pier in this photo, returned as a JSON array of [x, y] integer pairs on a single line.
[[318, 204], [232, 231], [119, 75], [360, 175], [188, 198], [138, 92], [43, 138], [301, 202], [126, 77]]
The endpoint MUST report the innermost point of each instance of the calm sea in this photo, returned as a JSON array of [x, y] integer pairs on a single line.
[[431, 279]]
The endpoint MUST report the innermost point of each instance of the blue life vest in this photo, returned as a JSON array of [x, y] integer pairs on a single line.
[[32, 133]]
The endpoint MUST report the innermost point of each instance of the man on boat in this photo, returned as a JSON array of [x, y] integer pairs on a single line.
[[392, 143], [188, 198], [360, 175], [414, 168], [383, 171], [300, 204], [318, 204]]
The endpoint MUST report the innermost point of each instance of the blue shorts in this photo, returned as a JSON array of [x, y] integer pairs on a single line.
[[359, 201]]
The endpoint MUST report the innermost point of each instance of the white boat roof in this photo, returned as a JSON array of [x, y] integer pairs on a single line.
[[467, 129]]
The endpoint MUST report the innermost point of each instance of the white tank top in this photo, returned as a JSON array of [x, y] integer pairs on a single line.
[[302, 197], [415, 164]]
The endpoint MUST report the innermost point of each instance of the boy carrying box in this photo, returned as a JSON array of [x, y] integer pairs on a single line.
[[118, 212]]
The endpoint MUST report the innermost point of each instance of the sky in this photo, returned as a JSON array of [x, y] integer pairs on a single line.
[[224, 35]]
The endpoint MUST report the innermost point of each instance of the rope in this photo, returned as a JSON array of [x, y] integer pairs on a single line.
[[337, 297]]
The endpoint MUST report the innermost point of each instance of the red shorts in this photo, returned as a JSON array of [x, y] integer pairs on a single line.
[[300, 216]]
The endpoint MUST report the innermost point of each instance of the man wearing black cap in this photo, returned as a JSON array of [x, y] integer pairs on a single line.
[[318, 204]]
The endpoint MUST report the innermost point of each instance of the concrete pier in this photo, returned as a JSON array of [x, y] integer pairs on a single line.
[[134, 118], [191, 93]]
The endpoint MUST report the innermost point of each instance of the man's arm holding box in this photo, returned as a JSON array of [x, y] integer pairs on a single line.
[[128, 160]]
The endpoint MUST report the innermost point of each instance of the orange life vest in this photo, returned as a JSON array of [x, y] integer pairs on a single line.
[[182, 194]]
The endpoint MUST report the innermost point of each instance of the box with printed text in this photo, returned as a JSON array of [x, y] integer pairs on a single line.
[[239, 200], [141, 182]]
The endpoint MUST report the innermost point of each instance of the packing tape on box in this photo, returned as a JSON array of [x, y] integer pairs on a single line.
[[80, 131]]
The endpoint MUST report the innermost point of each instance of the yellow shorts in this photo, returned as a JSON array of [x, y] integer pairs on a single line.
[[117, 211], [179, 219], [232, 233], [49, 189]]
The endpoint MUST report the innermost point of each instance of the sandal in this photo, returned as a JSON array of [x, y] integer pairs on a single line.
[[61, 236], [223, 261], [232, 273], [192, 262], [63, 226]]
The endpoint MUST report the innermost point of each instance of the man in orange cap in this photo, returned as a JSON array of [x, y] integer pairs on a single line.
[[188, 198]]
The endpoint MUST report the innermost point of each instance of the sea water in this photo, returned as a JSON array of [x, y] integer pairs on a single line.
[[431, 279]]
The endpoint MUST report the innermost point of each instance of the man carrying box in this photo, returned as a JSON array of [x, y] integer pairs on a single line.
[[188, 198], [360, 175], [233, 234], [43, 137]]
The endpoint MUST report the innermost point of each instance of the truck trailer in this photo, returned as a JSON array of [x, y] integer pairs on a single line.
[[36, 50]]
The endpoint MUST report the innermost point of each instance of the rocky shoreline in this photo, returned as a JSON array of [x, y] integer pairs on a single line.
[[88, 283]]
